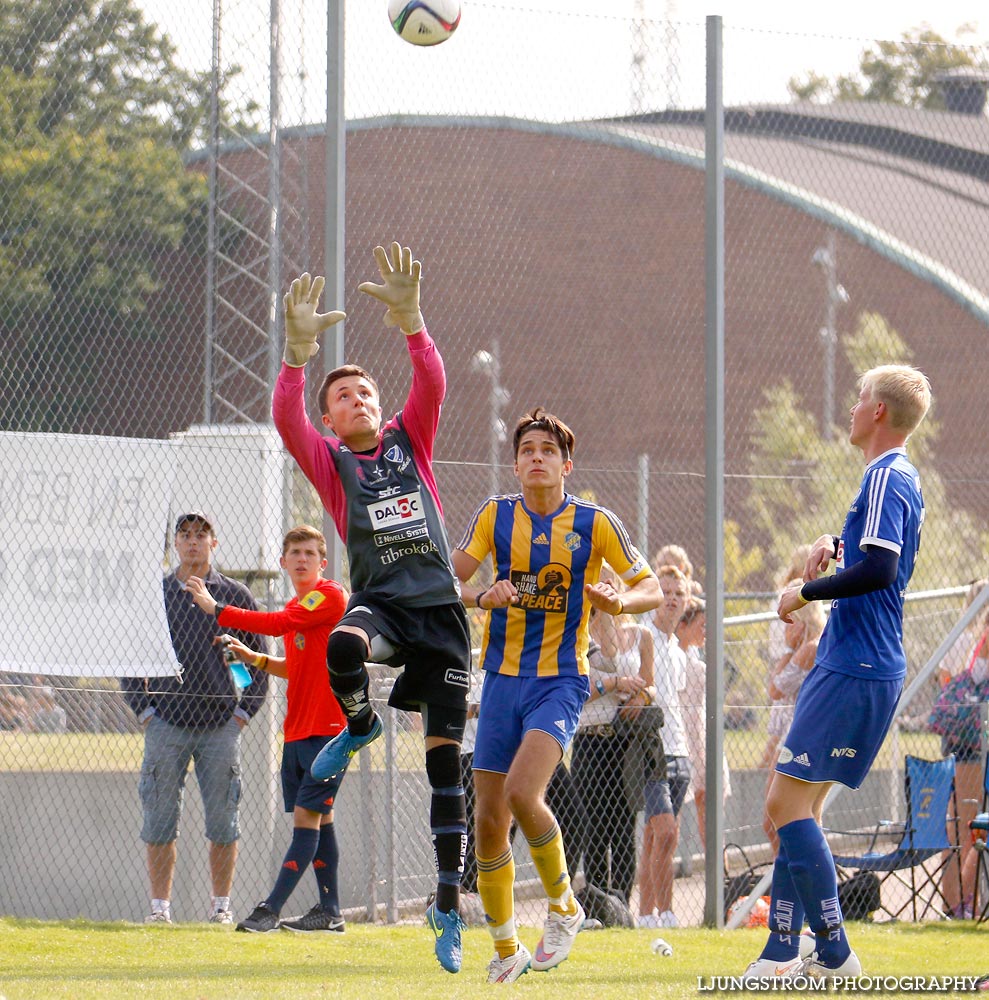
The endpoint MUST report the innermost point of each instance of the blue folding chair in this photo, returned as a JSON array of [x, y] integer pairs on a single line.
[[930, 801]]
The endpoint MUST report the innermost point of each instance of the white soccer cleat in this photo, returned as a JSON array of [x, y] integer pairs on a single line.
[[559, 933], [507, 970], [851, 968], [767, 968], [667, 919]]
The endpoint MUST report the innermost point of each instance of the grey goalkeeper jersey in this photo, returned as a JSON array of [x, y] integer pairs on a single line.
[[396, 540]]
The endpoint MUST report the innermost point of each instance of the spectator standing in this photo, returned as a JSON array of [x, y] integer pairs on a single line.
[[195, 717], [800, 639], [44, 714], [666, 789], [779, 714], [690, 633], [312, 717], [600, 746], [967, 748]]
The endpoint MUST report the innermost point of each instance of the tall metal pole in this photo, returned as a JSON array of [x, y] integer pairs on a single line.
[[274, 190], [714, 471], [334, 223], [212, 195]]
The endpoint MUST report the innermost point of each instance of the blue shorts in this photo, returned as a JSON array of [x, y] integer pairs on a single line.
[[839, 724], [514, 706], [299, 787], [168, 750], [666, 795]]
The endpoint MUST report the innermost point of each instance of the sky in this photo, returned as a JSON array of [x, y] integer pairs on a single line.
[[552, 59]]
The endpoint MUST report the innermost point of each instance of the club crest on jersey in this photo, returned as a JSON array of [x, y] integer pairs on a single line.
[[395, 455], [300, 640], [546, 590], [571, 541]]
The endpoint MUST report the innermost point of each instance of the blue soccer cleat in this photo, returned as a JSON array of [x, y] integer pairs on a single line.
[[447, 928], [338, 753]]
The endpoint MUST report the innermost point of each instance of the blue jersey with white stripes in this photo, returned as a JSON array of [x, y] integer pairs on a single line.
[[549, 558], [864, 635]]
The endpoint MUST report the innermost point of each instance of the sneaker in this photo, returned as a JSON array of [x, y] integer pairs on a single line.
[[337, 754], [650, 920], [767, 968], [317, 919], [667, 919], [559, 933], [262, 920], [447, 928], [507, 970], [221, 917], [158, 917], [813, 969]]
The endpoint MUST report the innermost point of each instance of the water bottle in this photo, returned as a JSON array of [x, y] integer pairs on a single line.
[[661, 947], [239, 673]]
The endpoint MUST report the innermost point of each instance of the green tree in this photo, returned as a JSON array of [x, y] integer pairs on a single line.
[[106, 69], [95, 116], [903, 72]]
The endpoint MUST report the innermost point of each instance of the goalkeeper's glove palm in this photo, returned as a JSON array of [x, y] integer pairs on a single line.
[[303, 324], [400, 291]]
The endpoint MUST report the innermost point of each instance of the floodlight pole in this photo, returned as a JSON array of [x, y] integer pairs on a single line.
[[714, 471]]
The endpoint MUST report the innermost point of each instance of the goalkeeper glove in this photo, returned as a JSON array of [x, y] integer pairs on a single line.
[[400, 291], [302, 323]]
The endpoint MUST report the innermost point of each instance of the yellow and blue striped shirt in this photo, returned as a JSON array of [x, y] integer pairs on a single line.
[[549, 559]]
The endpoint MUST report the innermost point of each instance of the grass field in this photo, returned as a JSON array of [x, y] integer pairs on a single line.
[[100, 752], [78, 960]]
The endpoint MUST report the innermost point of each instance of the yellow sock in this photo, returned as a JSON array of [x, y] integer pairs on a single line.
[[551, 863], [496, 887]]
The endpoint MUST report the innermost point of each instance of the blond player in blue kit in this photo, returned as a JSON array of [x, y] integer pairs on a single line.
[[547, 548], [848, 700]]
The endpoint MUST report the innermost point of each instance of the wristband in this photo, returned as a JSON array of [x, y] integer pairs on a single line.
[[837, 542], [621, 607], [800, 595], [477, 600], [261, 662], [218, 610], [599, 684]]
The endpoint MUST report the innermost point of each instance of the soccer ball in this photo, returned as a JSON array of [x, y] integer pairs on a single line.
[[424, 22]]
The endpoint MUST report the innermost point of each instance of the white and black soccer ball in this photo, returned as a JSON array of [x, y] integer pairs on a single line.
[[424, 22]]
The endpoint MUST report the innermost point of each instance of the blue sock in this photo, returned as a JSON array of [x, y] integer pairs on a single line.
[[786, 914], [326, 864], [816, 882], [297, 859]]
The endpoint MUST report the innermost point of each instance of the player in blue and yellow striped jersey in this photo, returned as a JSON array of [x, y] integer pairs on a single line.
[[547, 548]]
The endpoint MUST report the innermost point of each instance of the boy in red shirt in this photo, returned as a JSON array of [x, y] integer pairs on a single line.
[[312, 717]]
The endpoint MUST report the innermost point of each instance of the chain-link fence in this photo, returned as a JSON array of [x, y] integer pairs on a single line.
[[164, 179]]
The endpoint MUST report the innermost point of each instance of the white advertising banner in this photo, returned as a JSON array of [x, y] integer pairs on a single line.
[[83, 529]]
